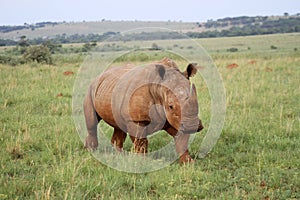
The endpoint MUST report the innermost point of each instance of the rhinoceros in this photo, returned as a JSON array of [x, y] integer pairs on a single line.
[[143, 100]]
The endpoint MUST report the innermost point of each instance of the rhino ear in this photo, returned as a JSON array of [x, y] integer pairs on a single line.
[[161, 71], [191, 70]]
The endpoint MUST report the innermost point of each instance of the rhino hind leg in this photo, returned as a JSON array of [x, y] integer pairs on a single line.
[[118, 139], [91, 119]]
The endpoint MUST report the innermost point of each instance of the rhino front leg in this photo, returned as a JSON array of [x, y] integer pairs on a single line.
[[181, 144], [140, 145], [118, 139], [138, 136], [91, 120]]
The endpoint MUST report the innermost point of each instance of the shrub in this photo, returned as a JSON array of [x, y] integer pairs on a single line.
[[88, 46], [233, 49], [11, 60], [40, 54], [273, 47], [155, 47]]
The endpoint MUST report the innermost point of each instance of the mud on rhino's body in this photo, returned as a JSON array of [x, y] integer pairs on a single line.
[[141, 101]]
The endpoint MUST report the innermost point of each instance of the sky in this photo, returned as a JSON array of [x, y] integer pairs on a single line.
[[18, 12]]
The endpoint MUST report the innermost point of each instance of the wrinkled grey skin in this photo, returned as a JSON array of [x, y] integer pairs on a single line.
[[141, 101]]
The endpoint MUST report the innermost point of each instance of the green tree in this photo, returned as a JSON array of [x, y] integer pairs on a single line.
[[155, 46], [23, 42]]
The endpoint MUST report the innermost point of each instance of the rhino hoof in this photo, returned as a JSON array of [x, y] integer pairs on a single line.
[[186, 159], [91, 143]]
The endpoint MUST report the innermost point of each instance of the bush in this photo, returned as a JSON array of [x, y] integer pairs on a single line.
[[233, 49], [273, 47], [11, 60], [88, 46], [155, 47], [40, 54]]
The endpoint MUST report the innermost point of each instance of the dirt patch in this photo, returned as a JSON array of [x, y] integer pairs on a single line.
[[67, 73], [231, 66]]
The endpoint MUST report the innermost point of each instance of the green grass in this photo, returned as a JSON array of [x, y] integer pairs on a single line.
[[256, 157]]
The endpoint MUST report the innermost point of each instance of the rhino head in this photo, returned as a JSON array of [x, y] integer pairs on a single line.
[[179, 98]]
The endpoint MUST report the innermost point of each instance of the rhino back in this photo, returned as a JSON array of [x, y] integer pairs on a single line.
[[103, 87], [121, 94]]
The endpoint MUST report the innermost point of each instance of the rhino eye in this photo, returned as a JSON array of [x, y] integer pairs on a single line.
[[171, 107]]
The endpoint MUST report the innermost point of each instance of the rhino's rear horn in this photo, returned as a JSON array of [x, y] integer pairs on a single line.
[[161, 70]]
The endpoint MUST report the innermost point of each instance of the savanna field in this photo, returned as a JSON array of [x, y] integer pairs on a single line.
[[256, 157]]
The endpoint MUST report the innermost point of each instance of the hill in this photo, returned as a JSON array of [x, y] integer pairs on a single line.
[[73, 32], [84, 28]]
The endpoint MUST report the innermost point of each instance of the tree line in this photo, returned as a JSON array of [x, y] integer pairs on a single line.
[[6, 29], [245, 26]]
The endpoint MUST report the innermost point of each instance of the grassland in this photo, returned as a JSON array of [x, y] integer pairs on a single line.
[[256, 157]]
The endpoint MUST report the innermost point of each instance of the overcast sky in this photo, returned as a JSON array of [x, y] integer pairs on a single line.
[[18, 12]]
